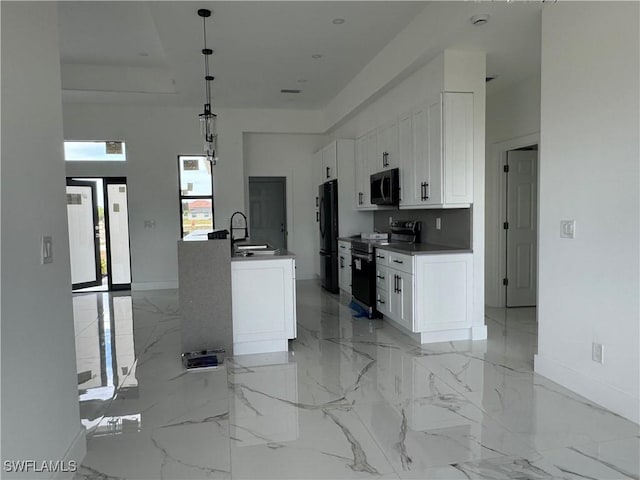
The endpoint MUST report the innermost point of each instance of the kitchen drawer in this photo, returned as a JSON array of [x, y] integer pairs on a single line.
[[344, 246], [382, 277], [382, 302], [381, 257], [401, 262]]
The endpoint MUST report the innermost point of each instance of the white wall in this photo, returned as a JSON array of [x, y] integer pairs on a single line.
[[513, 121], [453, 71], [589, 170], [155, 136], [290, 156], [40, 414]]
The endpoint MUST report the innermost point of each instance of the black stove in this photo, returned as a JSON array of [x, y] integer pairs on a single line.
[[363, 264]]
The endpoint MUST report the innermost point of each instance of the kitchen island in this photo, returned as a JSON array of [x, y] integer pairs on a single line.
[[243, 303], [263, 290]]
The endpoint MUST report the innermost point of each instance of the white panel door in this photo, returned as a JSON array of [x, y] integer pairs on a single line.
[[84, 248], [522, 201]]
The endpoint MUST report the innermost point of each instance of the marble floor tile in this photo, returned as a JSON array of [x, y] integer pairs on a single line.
[[352, 398]]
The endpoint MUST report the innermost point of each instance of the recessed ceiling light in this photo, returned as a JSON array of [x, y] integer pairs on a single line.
[[338, 21], [302, 80], [481, 19], [289, 90], [316, 56]]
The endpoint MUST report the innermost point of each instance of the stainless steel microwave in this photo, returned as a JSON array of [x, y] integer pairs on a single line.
[[385, 187]]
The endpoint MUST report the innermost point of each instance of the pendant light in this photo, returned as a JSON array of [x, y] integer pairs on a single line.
[[207, 117]]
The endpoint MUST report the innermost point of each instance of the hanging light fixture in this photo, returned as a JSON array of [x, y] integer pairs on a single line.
[[207, 117]]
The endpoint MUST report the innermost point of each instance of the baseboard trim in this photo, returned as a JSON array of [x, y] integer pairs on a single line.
[[605, 395], [479, 332], [306, 276], [143, 286], [75, 453]]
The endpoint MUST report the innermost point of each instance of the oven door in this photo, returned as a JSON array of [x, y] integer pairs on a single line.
[[363, 276]]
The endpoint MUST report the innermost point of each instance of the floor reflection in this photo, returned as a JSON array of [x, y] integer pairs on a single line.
[[105, 353]]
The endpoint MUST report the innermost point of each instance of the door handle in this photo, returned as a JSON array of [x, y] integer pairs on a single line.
[[317, 216], [397, 261], [328, 170], [395, 284], [399, 284], [360, 201], [385, 159]]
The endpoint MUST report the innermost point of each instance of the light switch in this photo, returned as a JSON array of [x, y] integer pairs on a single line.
[[567, 228], [47, 249]]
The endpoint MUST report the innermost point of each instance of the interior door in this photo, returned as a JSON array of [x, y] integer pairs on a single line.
[[268, 210], [522, 201], [84, 238]]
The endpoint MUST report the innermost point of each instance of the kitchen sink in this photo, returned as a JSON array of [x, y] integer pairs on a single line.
[[248, 249]]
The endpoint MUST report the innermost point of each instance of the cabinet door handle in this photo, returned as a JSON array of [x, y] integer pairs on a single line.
[[397, 261], [328, 170], [381, 277], [380, 301], [359, 198], [380, 256], [317, 202], [399, 284], [385, 159], [317, 216], [426, 190], [341, 262]]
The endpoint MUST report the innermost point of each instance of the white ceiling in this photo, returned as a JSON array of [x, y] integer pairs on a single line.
[[149, 52]]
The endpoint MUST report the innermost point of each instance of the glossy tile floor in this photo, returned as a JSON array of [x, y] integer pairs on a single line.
[[352, 399]]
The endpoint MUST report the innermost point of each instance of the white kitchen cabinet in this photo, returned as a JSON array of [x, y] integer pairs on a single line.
[[401, 298], [443, 290], [428, 295], [344, 266], [366, 152], [382, 290], [436, 153], [263, 304], [329, 162], [387, 147]]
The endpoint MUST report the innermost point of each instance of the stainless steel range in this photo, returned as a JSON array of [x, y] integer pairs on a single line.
[[363, 262]]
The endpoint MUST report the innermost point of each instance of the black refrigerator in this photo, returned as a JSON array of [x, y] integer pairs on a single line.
[[328, 210]]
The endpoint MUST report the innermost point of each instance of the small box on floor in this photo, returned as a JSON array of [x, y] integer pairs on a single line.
[[203, 359]]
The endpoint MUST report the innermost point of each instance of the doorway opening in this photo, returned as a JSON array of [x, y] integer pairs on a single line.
[[521, 227], [268, 210], [98, 223]]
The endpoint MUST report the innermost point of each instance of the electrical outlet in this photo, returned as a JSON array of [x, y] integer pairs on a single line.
[[597, 352], [438, 223], [47, 249], [567, 228]]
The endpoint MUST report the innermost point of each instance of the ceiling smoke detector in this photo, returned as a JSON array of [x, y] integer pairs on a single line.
[[481, 19]]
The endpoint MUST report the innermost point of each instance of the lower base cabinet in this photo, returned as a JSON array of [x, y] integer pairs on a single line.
[[426, 294], [264, 305]]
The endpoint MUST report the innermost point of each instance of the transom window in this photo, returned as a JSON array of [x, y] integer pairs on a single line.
[[95, 151]]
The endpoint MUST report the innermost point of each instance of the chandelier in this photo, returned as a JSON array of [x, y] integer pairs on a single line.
[[207, 117]]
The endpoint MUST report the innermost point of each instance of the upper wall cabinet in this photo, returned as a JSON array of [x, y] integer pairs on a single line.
[[387, 140], [329, 162], [435, 149]]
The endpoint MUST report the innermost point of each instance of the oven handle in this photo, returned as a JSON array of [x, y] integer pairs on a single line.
[[362, 256]]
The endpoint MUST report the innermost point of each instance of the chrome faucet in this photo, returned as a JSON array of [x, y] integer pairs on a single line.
[[232, 228]]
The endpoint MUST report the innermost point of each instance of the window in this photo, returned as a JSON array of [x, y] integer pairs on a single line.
[[196, 193], [99, 151]]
